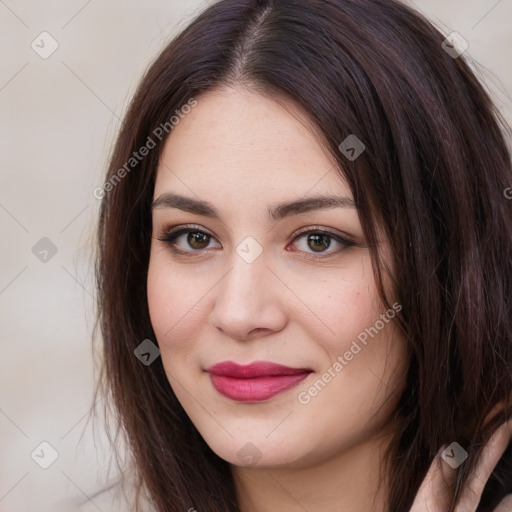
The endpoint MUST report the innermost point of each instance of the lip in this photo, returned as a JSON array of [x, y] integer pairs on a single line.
[[255, 382]]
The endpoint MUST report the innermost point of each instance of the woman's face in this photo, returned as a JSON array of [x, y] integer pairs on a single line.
[[267, 263]]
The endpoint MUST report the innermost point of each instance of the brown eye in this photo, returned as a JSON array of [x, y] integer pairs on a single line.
[[188, 240], [319, 242], [198, 240]]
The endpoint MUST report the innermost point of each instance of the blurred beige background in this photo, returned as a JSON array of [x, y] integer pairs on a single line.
[[59, 117]]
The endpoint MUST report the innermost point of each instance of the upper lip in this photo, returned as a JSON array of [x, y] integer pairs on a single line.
[[253, 370]]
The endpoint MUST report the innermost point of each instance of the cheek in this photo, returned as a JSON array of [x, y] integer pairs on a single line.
[[344, 306], [176, 305]]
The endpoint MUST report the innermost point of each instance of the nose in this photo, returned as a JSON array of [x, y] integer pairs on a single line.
[[247, 303]]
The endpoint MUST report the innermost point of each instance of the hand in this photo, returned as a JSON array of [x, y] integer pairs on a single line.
[[436, 490]]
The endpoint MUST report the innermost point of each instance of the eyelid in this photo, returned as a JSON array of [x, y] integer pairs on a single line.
[[171, 233], [343, 240], [174, 230], [336, 234]]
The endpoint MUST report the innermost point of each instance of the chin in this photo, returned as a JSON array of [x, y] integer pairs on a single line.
[[264, 453]]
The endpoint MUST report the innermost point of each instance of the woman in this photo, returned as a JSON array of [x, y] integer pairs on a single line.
[[304, 257]]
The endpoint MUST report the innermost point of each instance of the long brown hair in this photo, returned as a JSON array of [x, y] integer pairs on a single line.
[[432, 176]]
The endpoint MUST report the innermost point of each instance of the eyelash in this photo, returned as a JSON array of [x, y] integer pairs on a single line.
[[171, 234]]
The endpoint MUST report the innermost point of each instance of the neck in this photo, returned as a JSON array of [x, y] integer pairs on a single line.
[[350, 481]]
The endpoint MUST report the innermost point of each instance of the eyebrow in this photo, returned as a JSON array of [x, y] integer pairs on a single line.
[[276, 211]]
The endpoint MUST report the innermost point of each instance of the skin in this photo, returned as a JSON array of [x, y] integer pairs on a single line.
[[438, 485], [242, 153]]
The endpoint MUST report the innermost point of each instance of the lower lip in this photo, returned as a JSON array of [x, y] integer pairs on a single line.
[[256, 389]]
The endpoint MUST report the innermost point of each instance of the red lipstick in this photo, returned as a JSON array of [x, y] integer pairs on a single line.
[[254, 382]]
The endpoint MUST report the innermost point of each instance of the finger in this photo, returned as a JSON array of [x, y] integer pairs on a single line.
[[451, 457], [490, 456], [505, 504], [437, 487]]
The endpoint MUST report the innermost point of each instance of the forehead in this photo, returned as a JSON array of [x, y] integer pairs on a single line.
[[234, 138]]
